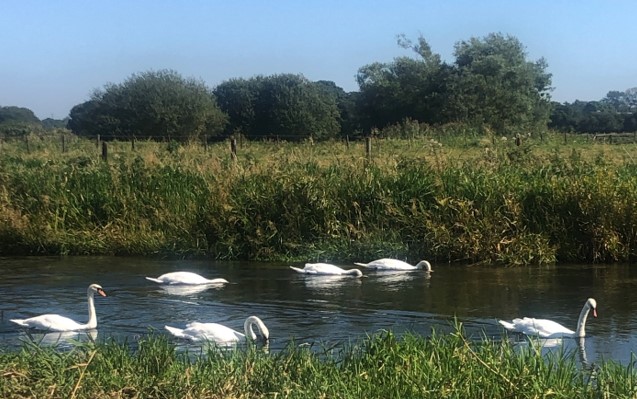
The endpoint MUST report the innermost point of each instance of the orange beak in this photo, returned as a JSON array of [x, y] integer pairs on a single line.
[[594, 312], [102, 293]]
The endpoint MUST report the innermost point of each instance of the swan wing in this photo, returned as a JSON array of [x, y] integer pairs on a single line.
[[211, 332], [387, 264], [323, 268], [181, 278], [538, 327], [51, 322]]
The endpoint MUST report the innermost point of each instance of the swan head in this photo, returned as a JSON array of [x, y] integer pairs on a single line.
[[356, 272], [263, 330], [592, 304], [96, 288], [426, 266]]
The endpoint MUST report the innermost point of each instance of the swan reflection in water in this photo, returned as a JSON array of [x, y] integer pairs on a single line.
[[567, 345], [395, 280], [185, 290], [61, 338], [326, 282]]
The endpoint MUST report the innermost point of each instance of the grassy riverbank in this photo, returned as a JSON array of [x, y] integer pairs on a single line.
[[381, 366], [445, 195]]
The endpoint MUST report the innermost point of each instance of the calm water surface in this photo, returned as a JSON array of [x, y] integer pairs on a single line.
[[321, 310]]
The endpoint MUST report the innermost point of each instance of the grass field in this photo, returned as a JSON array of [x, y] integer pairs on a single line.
[[447, 194], [380, 366]]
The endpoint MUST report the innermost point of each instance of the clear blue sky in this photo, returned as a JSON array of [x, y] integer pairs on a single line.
[[54, 53]]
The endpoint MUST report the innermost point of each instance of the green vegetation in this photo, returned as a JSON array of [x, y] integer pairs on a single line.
[[151, 104], [380, 366], [449, 194]]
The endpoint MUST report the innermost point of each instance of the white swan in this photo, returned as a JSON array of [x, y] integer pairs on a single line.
[[220, 334], [549, 329], [185, 278], [395, 264], [325, 269], [55, 322]]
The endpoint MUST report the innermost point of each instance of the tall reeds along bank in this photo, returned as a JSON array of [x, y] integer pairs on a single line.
[[414, 200], [379, 366]]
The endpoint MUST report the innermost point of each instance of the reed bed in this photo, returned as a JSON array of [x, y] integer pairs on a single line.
[[379, 366], [447, 196]]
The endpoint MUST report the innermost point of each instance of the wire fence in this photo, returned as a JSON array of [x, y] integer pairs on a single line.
[[65, 142]]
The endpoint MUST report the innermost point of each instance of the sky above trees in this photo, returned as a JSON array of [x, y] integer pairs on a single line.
[[56, 53]]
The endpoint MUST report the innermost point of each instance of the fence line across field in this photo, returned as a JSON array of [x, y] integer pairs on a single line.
[[67, 140]]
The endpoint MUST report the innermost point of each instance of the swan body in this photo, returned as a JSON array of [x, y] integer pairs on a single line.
[[188, 278], [544, 328], [325, 269], [56, 322], [219, 333], [395, 264]]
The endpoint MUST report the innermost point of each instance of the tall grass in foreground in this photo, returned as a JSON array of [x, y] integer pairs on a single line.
[[477, 200], [380, 366]]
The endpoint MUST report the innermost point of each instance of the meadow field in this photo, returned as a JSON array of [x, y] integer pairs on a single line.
[[450, 194], [380, 366]]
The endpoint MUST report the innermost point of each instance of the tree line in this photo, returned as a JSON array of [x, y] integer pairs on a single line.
[[617, 112], [491, 83]]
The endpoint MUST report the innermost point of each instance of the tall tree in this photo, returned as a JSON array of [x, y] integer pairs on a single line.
[[404, 88], [237, 98], [159, 104], [495, 84], [17, 121], [286, 105]]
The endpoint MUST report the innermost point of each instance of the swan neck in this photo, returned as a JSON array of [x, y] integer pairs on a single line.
[[92, 317], [581, 322], [248, 326]]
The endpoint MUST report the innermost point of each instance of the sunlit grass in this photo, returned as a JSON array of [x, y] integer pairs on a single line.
[[382, 365], [447, 195]]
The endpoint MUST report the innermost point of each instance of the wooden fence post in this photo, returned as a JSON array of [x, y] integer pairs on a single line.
[[233, 148], [368, 147], [132, 144], [63, 143], [104, 151], [97, 142], [26, 140]]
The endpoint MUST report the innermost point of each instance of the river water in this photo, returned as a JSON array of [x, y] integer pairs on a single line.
[[321, 311]]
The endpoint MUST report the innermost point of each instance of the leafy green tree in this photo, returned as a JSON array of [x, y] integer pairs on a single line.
[[293, 107], [17, 114], [237, 98], [17, 121], [346, 103], [622, 101], [413, 88], [159, 104], [50, 123], [288, 106], [494, 84], [564, 117]]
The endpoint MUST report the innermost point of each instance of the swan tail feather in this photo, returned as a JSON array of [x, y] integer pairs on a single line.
[[507, 325], [177, 332], [296, 269], [361, 264], [154, 279], [20, 322]]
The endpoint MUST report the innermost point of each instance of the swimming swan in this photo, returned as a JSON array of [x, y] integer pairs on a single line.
[[395, 264], [220, 334], [549, 329], [185, 278], [55, 322], [325, 269]]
